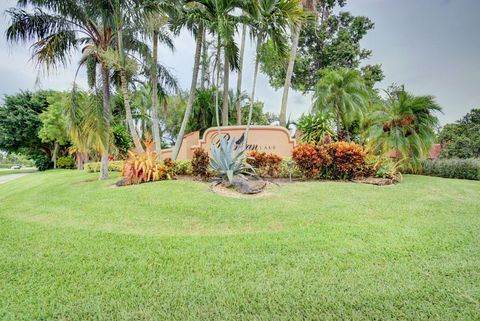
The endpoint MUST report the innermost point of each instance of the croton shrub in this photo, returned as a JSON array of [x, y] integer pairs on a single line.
[[265, 164], [338, 160], [200, 163]]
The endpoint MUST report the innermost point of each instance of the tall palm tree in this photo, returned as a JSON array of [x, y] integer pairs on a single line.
[[404, 128], [343, 93], [156, 28], [269, 20], [192, 17], [310, 6], [59, 28], [240, 74]]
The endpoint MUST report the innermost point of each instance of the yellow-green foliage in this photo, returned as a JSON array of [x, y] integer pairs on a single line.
[[183, 167], [113, 166]]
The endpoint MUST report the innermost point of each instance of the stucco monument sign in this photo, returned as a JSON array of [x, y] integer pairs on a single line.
[[270, 139]]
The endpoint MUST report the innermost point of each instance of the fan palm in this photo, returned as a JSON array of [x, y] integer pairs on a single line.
[[59, 28], [343, 93], [405, 127]]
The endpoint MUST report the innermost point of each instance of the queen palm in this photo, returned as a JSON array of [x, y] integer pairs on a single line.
[[405, 127], [269, 20], [59, 28], [343, 93]]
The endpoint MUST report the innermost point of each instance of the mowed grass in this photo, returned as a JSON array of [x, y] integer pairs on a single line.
[[73, 248], [4, 172]]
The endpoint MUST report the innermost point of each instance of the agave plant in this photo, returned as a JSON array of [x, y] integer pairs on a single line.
[[228, 160]]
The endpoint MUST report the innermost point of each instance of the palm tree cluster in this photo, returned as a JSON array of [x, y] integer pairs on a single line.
[[119, 44]]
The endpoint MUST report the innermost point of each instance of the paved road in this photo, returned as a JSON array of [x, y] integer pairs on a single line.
[[8, 178]]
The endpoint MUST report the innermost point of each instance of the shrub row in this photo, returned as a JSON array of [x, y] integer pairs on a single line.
[[113, 166], [66, 162], [452, 168]]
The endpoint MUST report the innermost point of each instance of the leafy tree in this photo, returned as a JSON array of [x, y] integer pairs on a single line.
[[20, 125], [405, 127], [343, 93], [53, 124], [462, 139]]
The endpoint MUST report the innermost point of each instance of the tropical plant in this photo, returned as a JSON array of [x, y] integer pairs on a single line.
[[405, 128], [311, 159], [142, 167], [57, 29], [66, 162], [341, 92], [315, 128], [200, 163], [348, 160], [228, 161], [265, 164]]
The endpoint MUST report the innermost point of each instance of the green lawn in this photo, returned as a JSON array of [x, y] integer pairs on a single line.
[[4, 172], [72, 248]]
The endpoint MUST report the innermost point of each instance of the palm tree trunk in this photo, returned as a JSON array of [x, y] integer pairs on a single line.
[[128, 112], [337, 114], [126, 95], [254, 86], [153, 73], [204, 61], [226, 73], [288, 78], [191, 98], [106, 119], [217, 84], [239, 77]]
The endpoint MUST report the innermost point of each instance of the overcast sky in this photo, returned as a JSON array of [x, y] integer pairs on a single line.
[[431, 46]]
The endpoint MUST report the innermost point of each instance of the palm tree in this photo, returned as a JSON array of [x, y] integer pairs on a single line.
[[343, 93], [192, 17], [59, 28], [405, 127], [156, 27], [269, 20], [239, 74], [311, 6]]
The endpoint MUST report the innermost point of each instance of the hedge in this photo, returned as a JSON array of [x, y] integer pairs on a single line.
[[452, 168]]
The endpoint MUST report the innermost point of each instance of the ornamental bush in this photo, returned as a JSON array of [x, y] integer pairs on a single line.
[[265, 164], [200, 163], [142, 167], [66, 162], [113, 166], [348, 160], [452, 168], [312, 160]]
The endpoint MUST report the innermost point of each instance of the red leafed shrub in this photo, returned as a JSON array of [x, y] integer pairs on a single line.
[[265, 164], [348, 160], [311, 159], [144, 167], [200, 163]]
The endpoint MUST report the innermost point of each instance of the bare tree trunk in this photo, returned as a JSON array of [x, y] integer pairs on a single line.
[[254, 86], [153, 74], [288, 78], [106, 120], [239, 77], [226, 73], [191, 98]]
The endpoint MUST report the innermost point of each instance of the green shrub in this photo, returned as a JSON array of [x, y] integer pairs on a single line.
[[7, 165], [66, 162], [113, 166], [452, 168], [183, 167], [285, 169], [42, 162]]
